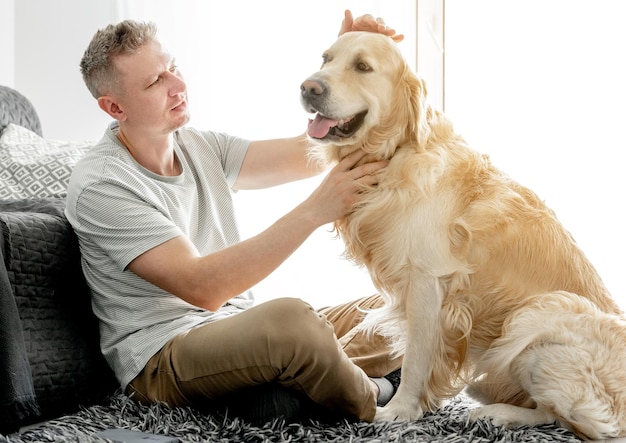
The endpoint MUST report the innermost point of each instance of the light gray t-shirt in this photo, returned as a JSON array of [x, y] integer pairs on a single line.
[[119, 210]]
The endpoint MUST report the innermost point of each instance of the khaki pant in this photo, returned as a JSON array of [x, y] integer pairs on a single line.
[[316, 353]]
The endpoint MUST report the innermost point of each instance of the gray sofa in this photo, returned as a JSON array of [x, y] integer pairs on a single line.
[[50, 363]]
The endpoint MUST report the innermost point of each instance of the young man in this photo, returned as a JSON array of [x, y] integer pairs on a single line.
[[170, 278]]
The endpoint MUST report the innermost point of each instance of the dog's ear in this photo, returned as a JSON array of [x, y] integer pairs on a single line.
[[418, 126]]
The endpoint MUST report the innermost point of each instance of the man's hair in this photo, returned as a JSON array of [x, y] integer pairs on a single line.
[[97, 67]]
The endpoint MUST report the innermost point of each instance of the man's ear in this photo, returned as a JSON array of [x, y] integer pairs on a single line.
[[110, 106]]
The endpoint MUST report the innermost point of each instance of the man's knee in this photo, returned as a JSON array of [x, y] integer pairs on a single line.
[[294, 320]]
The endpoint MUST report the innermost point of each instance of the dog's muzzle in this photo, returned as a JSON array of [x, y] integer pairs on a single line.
[[313, 93], [313, 96]]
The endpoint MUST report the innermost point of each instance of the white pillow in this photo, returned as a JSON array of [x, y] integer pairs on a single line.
[[34, 167]]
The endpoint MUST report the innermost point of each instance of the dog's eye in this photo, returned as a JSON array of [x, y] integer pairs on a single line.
[[363, 67]]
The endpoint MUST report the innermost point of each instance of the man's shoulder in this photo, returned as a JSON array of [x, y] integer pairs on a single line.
[[104, 163], [94, 162]]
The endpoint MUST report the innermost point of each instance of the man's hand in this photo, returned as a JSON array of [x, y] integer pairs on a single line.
[[342, 188], [368, 23]]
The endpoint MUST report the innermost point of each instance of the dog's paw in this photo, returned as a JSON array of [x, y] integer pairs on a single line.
[[397, 411], [495, 413], [480, 413], [510, 416]]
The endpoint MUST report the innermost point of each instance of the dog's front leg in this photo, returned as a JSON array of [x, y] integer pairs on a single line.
[[423, 301]]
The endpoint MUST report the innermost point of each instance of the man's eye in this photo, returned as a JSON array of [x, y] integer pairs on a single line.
[[155, 82], [174, 69]]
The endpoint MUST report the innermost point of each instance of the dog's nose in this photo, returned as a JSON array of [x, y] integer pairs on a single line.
[[312, 89]]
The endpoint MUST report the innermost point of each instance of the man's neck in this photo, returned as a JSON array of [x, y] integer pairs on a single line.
[[155, 154]]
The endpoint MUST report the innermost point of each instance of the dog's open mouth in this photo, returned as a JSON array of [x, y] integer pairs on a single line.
[[323, 127]]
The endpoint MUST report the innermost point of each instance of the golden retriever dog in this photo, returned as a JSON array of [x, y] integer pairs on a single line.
[[484, 287]]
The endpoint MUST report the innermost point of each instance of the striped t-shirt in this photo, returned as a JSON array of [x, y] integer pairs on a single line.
[[119, 210]]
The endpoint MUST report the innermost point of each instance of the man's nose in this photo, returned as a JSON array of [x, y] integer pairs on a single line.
[[177, 83]]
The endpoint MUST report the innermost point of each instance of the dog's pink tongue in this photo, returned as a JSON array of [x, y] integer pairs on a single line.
[[319, 127]]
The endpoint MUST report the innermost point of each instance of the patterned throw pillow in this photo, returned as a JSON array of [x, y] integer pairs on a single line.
[[35, 167]]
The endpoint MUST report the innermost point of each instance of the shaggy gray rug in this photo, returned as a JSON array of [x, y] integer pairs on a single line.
[[190, 425]]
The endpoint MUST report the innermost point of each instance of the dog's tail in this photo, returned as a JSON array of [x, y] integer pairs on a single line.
[[526, 327], [547, 350]]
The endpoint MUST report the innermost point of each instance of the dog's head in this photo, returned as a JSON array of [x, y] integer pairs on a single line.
[[364, 96]]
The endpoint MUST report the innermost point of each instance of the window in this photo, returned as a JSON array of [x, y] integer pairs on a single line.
[[539, 86]]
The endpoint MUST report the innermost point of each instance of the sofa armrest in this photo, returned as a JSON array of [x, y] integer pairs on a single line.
[[60, 332]]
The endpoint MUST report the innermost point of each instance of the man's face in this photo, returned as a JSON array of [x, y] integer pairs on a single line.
[[154, 94]]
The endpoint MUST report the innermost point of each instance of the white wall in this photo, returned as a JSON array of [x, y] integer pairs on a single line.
[[540, 86], [49, 42], [7, 42]]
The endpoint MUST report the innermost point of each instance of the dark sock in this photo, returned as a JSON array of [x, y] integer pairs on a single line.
[[385, 390], [261, 404]]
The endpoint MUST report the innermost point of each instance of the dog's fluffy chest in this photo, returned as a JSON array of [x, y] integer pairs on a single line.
[[400, 226]]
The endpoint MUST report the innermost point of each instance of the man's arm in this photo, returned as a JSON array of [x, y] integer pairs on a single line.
[[274, 162], [210, 281]]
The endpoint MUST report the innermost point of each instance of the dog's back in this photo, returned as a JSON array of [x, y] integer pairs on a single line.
[[514, 244]]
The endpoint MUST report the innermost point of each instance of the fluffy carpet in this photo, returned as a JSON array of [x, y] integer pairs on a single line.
[[190, 425]]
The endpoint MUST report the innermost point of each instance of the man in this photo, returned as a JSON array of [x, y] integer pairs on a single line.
[[170, 279]]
